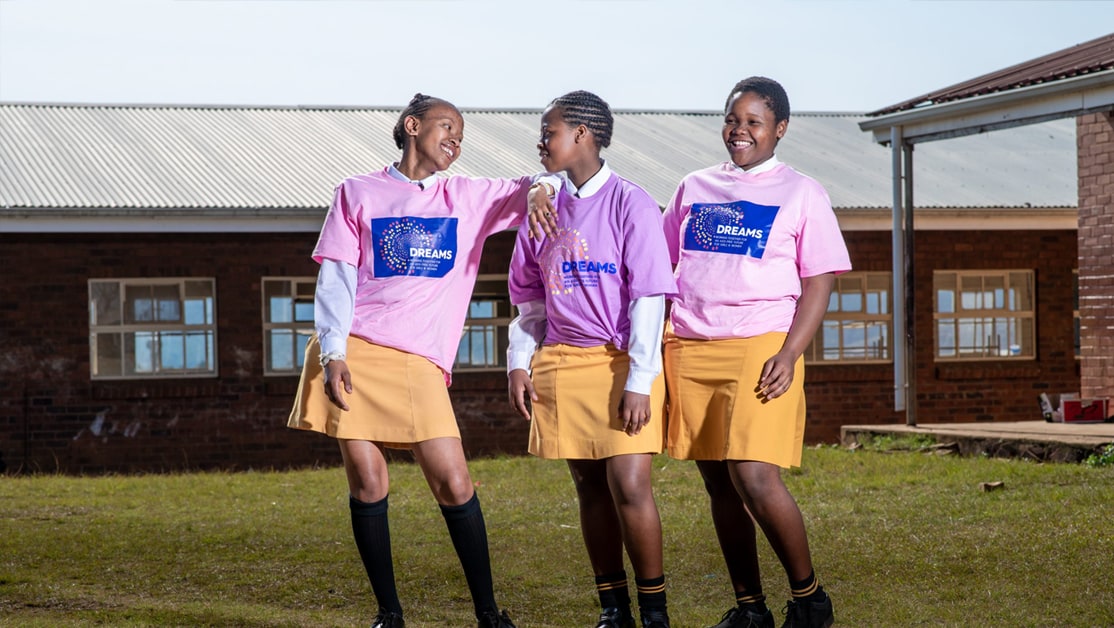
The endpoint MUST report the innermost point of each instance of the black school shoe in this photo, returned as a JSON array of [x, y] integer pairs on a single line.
[[805, 614], [387, 619], [492, 619], [615, 617], [739, 618], [654, 618]]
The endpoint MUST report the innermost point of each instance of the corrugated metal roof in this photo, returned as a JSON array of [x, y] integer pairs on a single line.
[[1093, 56], [173, 158]]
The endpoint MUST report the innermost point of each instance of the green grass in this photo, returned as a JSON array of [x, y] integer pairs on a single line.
[[899, 539]]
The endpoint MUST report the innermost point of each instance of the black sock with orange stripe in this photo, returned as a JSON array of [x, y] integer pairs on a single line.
[[612, 589], [651, 593], [807, 589]]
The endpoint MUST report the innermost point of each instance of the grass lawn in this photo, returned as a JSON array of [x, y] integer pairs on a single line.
[[899, 539]]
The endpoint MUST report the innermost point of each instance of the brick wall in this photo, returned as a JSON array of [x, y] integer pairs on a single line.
[[994, 390], [54, 418], [1095, 137]]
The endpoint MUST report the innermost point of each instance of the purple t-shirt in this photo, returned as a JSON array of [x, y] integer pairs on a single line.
[[609, 249], [741, 243], [417, 253]]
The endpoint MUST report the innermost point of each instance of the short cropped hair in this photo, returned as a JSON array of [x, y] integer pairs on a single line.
[[769, 90]]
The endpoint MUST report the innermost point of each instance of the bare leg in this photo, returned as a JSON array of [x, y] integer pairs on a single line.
[[599, 522], [628, 477], [734, 527], [775, 510]]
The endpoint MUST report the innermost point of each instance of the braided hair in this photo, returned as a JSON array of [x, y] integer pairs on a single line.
[[769, 90], [419, 105], [581, 107]]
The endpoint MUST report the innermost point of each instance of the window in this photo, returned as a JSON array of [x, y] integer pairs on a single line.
[[146, 328], [984, 314], [287, 323], [856, 327], [483, 345]]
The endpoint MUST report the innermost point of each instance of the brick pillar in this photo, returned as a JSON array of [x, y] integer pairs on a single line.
[[1095, 144]]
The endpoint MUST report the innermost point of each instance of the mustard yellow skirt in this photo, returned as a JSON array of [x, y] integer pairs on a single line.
[[715, 412], [397, 399], [576, 415]]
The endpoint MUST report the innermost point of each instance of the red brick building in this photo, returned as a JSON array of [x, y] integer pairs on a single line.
[[158, 273]]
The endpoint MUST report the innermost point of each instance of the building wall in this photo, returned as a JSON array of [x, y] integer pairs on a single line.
[[54, 418], [991, 390], [1095, 138]]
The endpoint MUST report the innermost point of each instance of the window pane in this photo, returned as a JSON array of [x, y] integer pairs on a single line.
[[142, 354], [167, 303], [851, 302], [945, 338], [105, 308], [280, 343], [198, 349], [108, 351], [172, 351], [280, 309], [945, 301], [481, 309], [303, 311], [140, 305]]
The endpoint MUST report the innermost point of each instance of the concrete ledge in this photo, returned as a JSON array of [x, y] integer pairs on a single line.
[[1033, 440]]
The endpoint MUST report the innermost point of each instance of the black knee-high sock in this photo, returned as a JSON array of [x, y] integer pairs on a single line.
[[469, 535], [613, 591], [373, 540]]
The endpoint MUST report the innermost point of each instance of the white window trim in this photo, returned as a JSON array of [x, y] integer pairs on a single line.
[[124, 328], [983, 313], [293, 326]]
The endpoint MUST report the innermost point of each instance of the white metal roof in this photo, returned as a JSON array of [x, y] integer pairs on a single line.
[[112, 159]]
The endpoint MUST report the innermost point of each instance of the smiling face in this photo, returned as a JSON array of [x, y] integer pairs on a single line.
[[434, 141], [751, 130], [557, 145]]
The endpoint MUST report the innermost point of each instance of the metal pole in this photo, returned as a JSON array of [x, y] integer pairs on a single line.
[[910, 293], [897, 272]]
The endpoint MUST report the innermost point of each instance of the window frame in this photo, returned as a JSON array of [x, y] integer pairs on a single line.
[[980, 316], [155, 329], [500, 324], [842, 319], [296, 327]]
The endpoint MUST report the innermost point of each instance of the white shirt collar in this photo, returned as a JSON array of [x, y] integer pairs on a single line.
[[592, 185], [765, 166], [421, 183]]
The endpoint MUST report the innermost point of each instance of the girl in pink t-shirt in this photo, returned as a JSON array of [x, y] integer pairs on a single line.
[[592, 295], [756, 247], [399, 252]]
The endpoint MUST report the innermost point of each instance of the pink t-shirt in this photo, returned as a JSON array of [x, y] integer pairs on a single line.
[[608, 251], [741, 244], [417, 254]]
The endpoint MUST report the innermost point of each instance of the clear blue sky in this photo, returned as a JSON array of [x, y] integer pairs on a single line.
[[831, 55]]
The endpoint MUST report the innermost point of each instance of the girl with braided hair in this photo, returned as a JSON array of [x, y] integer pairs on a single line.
[[399, 252], [584, 361]]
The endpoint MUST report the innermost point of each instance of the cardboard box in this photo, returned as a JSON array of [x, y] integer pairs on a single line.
[[1085, 410]]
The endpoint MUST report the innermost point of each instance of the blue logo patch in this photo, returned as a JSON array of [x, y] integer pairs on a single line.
[[738, 228], [418, 247]]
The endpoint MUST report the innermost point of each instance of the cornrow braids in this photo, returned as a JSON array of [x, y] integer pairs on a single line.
[[419, 105], [769, 90], [581, 107]]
